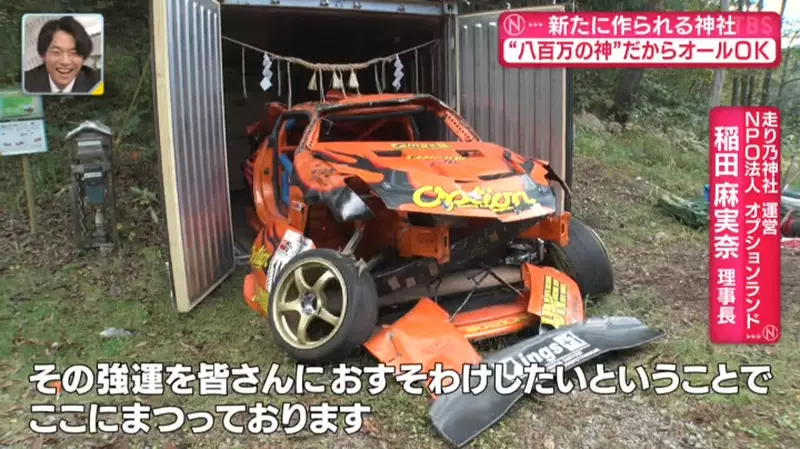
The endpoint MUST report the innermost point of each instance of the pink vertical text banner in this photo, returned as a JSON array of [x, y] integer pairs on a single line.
[[744, 225], [587, 40]]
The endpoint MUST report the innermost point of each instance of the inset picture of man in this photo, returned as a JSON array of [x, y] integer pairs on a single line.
[[62, 54]]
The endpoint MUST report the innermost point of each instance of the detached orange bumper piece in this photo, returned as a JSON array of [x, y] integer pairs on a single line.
[[423, 337], [427, 336], [554, 296]]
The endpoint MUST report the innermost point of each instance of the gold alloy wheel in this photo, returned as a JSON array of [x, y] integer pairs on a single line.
[[304, 297]]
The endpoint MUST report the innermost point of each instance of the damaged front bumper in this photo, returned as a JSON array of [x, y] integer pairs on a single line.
[[429, 335], [460, 417], [430, 338]]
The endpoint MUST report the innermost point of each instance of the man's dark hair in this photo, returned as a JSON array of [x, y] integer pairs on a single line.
[[67, 24]]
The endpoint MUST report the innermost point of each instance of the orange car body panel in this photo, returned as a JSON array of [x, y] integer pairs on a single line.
[[555, 297], [423, 337], [427, 335], [467, 178]]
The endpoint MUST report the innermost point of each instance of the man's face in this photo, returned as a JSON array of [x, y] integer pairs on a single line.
[[62, 60]]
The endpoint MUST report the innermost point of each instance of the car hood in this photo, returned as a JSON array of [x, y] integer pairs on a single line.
[[471, 179], [462, 161]]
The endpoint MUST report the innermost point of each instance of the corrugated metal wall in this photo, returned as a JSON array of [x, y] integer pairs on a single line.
[[494, 5], [522, 109], [198, 125]]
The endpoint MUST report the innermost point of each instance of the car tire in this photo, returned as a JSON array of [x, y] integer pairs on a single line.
[[585, 259], [354, 299]]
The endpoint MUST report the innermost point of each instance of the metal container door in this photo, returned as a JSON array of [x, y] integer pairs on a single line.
[[187, 58], [521, 109]]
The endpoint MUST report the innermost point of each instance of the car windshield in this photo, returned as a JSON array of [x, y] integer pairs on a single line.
[[385, 124]]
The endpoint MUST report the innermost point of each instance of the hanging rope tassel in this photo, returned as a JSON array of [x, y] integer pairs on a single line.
[[377, 81], [353, 82], [289, 80], [279, 77], [312, 84], [416, 71], [383, 68], [341, 83], [336, 82], [316, 82], [244, 76], [433, 68], [321, 86]]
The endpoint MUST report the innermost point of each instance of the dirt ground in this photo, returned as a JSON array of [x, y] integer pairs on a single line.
[[54, 302]]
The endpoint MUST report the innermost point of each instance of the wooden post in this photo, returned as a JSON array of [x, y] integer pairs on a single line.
[[26, 173]]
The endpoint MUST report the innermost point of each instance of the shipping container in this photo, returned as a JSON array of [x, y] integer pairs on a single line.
[[207, 71]]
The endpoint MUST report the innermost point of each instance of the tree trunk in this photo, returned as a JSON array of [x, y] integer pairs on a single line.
[[629, 82], [767, 84], [739, 81], [765, 87], [631, 79], [752, 75], [751, 87], [715, 98], [743, 85], [785, 64]]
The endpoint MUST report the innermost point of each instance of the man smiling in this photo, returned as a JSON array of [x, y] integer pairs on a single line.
[[63, 45]]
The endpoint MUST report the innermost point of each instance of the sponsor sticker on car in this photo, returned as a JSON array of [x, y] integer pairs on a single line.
[[291, 245], [260, 258], [561, 349], [428, 197], [420, 146], [554, 307]]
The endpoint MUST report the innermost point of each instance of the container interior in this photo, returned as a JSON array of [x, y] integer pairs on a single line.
[[317, 36]]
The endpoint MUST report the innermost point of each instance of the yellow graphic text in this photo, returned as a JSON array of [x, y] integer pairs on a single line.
[[260, 258], [498, 202], [554, 304]]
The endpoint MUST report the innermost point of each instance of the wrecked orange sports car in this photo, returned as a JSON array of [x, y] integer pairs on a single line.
[[386, 222]]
